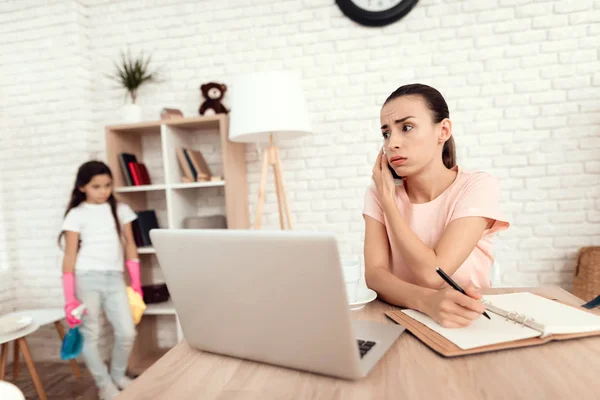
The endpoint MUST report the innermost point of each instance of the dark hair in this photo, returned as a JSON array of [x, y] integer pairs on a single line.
[[87, 171], [439, 110]]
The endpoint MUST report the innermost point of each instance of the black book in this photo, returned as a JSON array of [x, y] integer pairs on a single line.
[[146, 221], [124, 160], [136, 234]]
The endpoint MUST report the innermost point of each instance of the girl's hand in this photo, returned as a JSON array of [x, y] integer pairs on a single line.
[[133, 266], [72, 321], [384, 181], [452, 309], [71, 301]]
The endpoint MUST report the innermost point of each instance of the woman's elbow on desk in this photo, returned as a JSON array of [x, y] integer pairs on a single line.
[[379, 279]]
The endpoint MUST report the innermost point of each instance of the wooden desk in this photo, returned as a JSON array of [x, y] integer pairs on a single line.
[[410, 370]]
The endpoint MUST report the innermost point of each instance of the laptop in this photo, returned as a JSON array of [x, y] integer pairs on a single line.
[[275, 297]]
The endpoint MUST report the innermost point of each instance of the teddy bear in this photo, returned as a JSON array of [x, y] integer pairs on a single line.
[[213, 93]]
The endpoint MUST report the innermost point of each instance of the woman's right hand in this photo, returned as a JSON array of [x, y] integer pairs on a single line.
[[452, 309]]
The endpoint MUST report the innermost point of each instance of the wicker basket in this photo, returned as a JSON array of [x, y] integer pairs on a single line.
[[586, 284]]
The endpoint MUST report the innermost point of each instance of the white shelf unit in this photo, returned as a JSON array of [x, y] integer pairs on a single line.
[[197, 185], [141, 188], [154, 143], [146, 250], [166, 308]]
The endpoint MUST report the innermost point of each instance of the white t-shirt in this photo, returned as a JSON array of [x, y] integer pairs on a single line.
[[101, 248]]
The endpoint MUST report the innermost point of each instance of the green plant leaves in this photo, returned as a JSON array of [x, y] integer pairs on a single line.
[[130, 73]]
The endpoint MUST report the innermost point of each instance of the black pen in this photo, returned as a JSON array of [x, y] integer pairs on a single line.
[[450, 282]]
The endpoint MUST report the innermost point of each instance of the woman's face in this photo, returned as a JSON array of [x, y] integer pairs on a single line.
[[411, 140]]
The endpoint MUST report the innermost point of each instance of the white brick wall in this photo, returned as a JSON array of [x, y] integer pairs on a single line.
[[7, 294], [521, 79], [46, 120]]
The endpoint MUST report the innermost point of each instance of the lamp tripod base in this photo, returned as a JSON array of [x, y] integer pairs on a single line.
[[271, 158]]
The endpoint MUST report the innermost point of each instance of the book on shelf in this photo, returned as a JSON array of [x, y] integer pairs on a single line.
[[137, 236], [193, 165], [134, 172], [145, 222], [144, 174], [124, 160]]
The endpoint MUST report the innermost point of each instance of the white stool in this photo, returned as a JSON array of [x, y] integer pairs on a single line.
[[45, 316], [21, 344], [8, 391]]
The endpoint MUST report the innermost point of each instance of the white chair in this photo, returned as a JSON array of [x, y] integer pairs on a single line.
[[8, 391]]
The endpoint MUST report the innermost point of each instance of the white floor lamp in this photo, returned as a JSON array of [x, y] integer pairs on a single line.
[[266, 107]]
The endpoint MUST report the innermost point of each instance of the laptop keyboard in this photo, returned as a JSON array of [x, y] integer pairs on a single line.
[[364, 346]]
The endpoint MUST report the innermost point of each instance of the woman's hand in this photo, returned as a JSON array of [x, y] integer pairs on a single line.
[[384, 181], [452, 309]]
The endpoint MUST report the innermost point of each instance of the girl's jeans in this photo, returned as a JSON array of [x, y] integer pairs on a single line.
[[105, 290]]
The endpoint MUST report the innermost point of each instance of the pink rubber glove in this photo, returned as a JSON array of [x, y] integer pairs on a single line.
[[133, 266], [71, 301]]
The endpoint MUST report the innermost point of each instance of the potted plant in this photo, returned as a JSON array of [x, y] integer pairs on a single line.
[[130, 74]]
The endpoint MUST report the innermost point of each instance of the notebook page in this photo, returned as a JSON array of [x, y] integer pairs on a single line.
[[556, 317], [481, 332]]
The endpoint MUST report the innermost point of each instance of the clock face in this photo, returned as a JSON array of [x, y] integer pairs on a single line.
[[376, 5], [375, 12]]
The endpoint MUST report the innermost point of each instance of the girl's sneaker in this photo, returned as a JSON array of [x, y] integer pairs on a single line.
[[109, 392]]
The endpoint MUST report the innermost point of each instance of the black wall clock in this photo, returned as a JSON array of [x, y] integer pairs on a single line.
[[375, 12]]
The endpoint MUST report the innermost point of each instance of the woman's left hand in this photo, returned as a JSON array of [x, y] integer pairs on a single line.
[[384, 181]]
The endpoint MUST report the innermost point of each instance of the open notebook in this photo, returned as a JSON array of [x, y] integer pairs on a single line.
[[515, 317]]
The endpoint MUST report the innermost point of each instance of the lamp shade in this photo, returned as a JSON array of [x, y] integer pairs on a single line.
[[265, 103]]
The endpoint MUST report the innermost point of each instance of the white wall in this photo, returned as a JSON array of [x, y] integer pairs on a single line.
[[7, 294], [521, 80], [46, 134]]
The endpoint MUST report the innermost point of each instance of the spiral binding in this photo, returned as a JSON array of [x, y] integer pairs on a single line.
[[521, 319]]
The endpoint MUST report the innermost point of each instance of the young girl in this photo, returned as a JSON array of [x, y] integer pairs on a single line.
[[94, 229], [441, 216]]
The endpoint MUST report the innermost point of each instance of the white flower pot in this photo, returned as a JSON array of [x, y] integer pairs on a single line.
[[132, 113]]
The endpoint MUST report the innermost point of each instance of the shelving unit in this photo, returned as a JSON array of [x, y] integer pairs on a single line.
[[197, 185], [142, 188], [146, 250], [166, 308], [155, 144]]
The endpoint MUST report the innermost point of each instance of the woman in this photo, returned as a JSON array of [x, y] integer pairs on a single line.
[[441, 216]]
